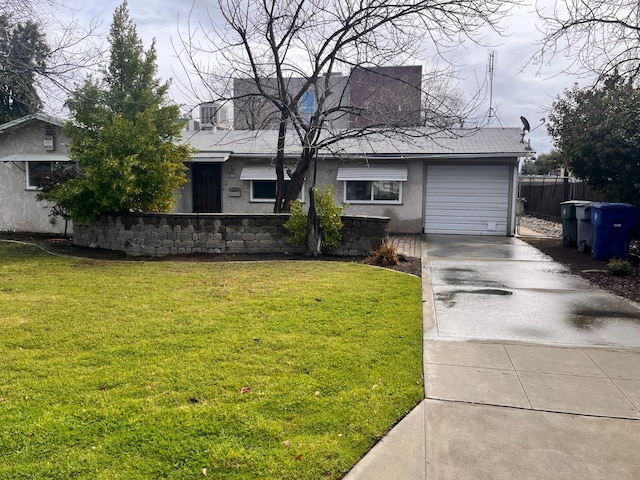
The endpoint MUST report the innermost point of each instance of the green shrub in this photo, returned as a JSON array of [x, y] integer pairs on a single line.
[[383, 256], [330, 220], [330, 216], [297, 224], [619, 267]]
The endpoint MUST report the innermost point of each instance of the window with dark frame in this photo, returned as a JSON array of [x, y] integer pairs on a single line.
[[265, 190], [382, 191]]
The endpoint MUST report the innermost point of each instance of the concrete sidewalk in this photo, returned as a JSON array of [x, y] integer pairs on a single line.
[[504, 409]]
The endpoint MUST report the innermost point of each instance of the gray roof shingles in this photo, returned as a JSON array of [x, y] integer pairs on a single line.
[[468, 142]]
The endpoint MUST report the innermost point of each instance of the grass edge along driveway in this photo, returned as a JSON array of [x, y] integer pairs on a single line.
[[137, 370]]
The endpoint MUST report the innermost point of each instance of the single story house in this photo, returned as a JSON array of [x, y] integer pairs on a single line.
[[29, 146], [462, 182], [459, 182]]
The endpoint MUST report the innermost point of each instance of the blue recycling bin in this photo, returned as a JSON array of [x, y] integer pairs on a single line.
[[612, 223]]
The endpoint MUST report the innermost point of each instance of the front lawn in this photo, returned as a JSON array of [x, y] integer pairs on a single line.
[[149, 370]]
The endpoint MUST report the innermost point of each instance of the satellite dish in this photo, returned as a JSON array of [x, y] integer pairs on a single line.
[[525, 124]]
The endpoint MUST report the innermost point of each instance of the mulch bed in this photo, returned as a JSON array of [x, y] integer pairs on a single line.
[[591, 269], [61, 246], [580, 264]]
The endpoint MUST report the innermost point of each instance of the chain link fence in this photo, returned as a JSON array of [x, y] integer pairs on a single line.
[[541, 196]]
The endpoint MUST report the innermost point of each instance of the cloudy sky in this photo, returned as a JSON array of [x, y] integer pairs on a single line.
[[517, 92]]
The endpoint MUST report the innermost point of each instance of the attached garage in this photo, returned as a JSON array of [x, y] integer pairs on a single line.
[[462, 181], [469, 199]]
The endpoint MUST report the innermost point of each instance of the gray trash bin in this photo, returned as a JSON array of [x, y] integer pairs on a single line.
[[585, 228], [570, 222]]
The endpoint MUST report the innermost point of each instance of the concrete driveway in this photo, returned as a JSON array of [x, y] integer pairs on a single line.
[[497, 288], [529, 373]]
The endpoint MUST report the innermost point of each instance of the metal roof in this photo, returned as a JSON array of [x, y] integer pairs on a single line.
[[481, 142], [30, 118]]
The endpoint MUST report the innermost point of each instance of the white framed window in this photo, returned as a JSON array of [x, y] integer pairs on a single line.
[[378, 191], [373, 184], [37, 172], [263, 183]]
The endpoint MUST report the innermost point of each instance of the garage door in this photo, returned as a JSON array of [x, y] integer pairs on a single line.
[[467, 199]]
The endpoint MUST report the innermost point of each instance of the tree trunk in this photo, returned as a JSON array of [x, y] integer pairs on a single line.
[[279, 204], [314, 236]]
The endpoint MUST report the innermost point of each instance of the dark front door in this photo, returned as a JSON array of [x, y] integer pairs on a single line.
[[207, 187]]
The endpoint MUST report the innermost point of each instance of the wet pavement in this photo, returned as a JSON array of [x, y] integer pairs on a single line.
[[499, 288], [530, 372]]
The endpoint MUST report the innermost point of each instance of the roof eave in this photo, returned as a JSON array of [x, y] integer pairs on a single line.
[[29, 118]]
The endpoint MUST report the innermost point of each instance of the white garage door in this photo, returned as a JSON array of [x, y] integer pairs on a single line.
[[467, 199]]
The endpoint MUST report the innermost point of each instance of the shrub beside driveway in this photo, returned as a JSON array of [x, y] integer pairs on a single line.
[[176, 370]]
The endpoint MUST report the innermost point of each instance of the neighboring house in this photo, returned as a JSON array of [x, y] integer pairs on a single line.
[[252, 111], [368, 97], [29, 147], [461, 182]]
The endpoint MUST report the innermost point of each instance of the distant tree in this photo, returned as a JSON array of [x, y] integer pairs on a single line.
[[123, 134], [23, 56], [596, 36], [42, 55], [597, 133], [543, 164], [445, 105]]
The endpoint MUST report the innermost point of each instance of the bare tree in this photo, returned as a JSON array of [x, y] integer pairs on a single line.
[[291, 52], [596, 36], [46, 55]]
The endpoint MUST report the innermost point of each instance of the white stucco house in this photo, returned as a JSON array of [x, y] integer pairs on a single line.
[[29, 146], [460, 182]]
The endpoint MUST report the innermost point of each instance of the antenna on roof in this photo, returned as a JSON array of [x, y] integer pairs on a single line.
[[491, 70], [492, 58], [526, 127]]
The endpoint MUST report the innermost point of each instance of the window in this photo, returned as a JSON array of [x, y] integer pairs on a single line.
[[263, 183], [373, 184], [265, 190], [37, 172], [307, 105], [377, 191]]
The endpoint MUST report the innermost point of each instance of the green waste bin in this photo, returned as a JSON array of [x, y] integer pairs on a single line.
[[570, 221]]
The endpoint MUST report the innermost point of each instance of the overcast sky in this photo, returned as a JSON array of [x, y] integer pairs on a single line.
[[516, 93]]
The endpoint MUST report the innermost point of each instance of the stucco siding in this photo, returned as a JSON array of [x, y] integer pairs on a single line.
[[19, 209], [406, 217]]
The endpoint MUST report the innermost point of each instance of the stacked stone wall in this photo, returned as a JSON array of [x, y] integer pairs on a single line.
[[156, 235]]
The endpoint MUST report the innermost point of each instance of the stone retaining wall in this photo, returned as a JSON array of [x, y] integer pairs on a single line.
[[152, 234]]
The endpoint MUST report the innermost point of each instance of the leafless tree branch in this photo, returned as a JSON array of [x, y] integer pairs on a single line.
[[595, 36]]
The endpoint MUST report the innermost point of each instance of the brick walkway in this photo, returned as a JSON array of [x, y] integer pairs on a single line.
[[408, 244]]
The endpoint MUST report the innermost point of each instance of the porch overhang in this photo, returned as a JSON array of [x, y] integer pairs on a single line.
[[36, 157], [209, 157]]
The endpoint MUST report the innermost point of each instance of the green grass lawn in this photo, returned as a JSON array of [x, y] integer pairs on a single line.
[[150, 370]]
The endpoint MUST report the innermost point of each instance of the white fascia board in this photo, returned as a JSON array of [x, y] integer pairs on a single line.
[[36, 157]]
